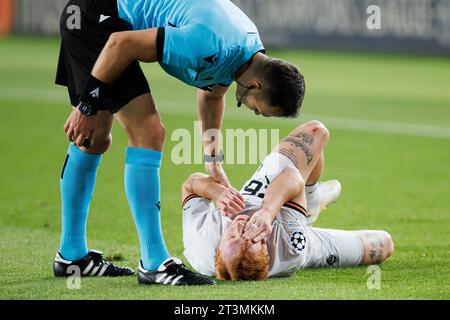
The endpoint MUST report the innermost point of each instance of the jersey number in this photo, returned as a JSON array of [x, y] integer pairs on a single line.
[[253, 188]]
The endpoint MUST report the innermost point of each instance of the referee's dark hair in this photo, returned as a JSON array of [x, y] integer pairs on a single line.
[[285, 86]]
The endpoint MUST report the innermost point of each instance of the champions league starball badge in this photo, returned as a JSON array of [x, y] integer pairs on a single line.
[[298, 241]]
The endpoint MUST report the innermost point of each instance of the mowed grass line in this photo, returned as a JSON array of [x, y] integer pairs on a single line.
[[390, 182]]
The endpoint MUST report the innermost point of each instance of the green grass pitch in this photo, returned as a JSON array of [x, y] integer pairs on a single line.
[[389, 118]]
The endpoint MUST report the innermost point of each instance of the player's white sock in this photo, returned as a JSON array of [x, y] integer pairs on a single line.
[[311, 188]]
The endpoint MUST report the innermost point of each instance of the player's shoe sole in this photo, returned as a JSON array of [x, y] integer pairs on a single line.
[[326, 193], [92, 265], [172, 272]]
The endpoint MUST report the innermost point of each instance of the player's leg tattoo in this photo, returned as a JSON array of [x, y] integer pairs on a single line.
[[304, 146], [300, 140], [377, 245]]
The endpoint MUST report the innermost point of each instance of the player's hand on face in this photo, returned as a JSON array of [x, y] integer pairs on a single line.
[[259, 226], [216, 171], [80, 127], [230, 202]]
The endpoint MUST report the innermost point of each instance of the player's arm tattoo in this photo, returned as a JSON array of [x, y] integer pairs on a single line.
[[298, 140]]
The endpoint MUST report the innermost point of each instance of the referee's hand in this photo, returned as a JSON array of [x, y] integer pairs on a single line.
[[80, 128]]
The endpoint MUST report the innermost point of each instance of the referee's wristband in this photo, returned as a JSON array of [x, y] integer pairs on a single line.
[[94, 93], [215, 158]]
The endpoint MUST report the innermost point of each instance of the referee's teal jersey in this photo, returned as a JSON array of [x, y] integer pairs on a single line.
[[201, 42]]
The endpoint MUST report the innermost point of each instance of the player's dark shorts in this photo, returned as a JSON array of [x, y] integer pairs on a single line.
[[81, 45]]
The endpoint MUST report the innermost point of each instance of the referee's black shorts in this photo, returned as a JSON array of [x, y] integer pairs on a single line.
[[81, 45]]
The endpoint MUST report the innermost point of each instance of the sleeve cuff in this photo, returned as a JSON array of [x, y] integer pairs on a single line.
[[160, 44], [189, 197], [297, 207]]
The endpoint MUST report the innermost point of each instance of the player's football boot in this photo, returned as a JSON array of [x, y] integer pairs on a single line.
[[93, 264], [326, 192], [172, 272]]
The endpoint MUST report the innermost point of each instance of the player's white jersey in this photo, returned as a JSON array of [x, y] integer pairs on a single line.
[[203, 227], [292, 245]]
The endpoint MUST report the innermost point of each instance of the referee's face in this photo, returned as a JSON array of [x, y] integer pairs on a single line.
[[259, 106]]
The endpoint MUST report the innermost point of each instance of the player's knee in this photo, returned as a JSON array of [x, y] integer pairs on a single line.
[[319, 132], [319, 129]]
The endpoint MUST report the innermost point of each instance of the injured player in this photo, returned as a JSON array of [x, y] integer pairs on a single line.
[[269, 233]]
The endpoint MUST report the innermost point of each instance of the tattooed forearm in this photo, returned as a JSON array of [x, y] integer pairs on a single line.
[[299, 143]]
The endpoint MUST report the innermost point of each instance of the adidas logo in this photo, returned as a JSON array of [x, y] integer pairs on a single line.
[[95, 93], [103, 18]]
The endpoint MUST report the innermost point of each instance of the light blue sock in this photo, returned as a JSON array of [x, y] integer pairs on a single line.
[[143, 193], [77, 185]]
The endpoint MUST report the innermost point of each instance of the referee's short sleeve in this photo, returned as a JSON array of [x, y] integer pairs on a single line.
[[184, 46]]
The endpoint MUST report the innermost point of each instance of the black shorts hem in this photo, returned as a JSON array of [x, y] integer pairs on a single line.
[[160, 44], [81, 47], [136, 94]]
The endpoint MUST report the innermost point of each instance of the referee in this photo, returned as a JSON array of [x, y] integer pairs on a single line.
[[205, 44]]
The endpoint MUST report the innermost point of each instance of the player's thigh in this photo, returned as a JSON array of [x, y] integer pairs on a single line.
[[304, 145], [142, 123]]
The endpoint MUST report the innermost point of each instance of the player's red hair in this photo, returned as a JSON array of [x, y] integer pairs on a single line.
[[243, 266]]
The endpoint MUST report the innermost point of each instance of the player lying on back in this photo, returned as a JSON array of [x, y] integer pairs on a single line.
[[270, 233]]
